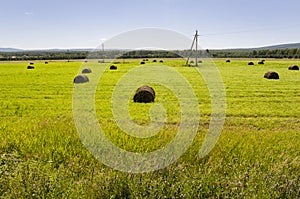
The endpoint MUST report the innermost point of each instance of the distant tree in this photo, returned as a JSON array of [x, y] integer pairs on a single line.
[[254, 53]]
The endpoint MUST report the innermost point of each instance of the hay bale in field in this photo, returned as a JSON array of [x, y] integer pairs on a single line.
[[250, 63], [191, 61], [146, 59], [200, 61], [271, 75], [30, 67], [161, 61], [294, 67], [154, 60], [81, 79], [227, 60], [31, 63], [113, 67], [85, 61], [144, 94], [87, 70], [46, 62], [142, 62], [261, 62]]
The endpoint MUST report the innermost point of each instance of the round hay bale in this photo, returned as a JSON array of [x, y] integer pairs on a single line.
[[113, 67], [250, 63], [271, 75], [294, 67], [142, 62], [192, 62], [146, 59], [81, 79], [31, 63], [227, 60], [144, 94], [87, 70], [261, 62], [154, 60], [30, 67], [161, 61], [200, 61], [46, 62]]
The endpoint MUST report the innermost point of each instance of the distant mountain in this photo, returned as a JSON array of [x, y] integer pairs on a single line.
[[273, 47], [45, 50], [10, 50], [281, 46], [61, 50]]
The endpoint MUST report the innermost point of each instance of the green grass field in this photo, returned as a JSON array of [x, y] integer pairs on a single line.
[[256, 156]]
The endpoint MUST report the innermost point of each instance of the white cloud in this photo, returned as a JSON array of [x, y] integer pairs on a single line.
[[28, 13]]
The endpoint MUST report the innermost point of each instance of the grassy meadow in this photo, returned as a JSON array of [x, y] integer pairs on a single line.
[[256, 156]]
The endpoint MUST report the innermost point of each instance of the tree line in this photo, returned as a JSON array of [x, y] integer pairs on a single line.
[[112, 54], [268, 53]]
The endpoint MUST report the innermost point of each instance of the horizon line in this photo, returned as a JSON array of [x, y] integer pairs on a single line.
[[90, 48]]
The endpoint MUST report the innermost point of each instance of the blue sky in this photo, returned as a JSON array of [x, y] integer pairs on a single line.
[[41, 24]]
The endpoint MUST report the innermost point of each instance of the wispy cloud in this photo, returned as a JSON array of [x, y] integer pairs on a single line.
[[28, 13]]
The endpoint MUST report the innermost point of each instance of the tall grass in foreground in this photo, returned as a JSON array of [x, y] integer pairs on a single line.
[[257, 155]]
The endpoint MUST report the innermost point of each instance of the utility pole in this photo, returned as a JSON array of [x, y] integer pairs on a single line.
[[103, 51], [196, 37], [195, 40]]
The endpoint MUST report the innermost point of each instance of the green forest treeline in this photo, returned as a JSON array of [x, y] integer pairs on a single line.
[[112, 54]]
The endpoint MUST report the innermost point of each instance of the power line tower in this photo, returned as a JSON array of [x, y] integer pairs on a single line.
[[103, 51], [195, 40]]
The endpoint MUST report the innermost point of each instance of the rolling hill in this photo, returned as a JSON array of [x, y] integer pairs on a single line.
[[281, 46], [272, 47], [10, 50]]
